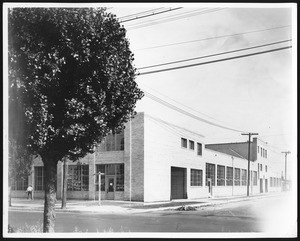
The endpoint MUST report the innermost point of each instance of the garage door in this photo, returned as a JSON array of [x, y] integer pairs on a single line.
[[178, 188]]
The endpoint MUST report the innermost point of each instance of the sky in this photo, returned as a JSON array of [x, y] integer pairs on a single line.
[[253, 94]]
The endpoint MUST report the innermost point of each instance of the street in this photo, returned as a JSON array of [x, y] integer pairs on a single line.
[[247, 216]]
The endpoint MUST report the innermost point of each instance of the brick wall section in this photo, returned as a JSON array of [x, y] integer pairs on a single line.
[[137, 159]]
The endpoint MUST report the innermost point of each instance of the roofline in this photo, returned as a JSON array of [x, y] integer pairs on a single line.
[[246, 142]]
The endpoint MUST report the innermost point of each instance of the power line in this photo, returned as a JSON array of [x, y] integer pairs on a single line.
[[181, 104], [215, 61], [131, 27], [157, 99], [135, 14], [149, 15], [216, 37], [212, 55]]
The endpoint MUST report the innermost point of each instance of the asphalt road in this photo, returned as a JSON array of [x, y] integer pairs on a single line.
[[246, 216]]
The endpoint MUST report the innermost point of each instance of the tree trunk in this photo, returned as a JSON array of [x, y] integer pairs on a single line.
[[50, 176], [64, 194]]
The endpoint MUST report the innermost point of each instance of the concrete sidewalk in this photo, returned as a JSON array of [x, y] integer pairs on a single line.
[[108, 206]]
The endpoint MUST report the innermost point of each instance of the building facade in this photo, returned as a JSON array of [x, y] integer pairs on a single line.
[[152, 160]]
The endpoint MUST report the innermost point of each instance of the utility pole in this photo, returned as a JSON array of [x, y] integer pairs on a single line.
[[285, 180], [249, 134]]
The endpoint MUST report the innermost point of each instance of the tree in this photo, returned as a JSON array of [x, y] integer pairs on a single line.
[[72, 77], [19, 164]]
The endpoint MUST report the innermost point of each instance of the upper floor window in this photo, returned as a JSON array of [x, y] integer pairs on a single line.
[[113, 142], [191, 145], [199, 149], [266, 167], [183, 142]]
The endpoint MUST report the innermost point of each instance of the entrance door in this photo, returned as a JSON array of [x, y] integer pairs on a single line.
[[178, 183], [266, 185], [261, 185], [110, 189]]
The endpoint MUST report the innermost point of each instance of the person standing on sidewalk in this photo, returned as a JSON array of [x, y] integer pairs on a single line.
[[29, 191]]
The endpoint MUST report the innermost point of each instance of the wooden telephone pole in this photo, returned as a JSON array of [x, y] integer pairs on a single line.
[[249, 134]]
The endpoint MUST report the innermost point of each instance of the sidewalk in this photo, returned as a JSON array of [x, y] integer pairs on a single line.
[[108, 206]]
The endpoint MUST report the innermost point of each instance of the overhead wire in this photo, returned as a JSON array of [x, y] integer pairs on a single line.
[[215, 61], [212, 55], [149, 15], [135, 14], [159, 100], [181, 104], [210, 38], [141, 25]]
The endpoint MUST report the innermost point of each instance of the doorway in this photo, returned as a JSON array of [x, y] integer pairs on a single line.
[[178, 183], [110, 187], [261, 185], [266, 185]]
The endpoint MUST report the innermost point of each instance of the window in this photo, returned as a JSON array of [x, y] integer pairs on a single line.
[[266, 168], [257, 149], [38, 178], [254, 178], [113, 142], [78, 178], [261, 167], [210, 173], [183, 142], [120, 177], [266, 153], [244, 177], [199, 149], [116, 170], [220, 175], [191, 145], [261, 151], [237, 176], [229, 176], [196, 177], [20, 185]]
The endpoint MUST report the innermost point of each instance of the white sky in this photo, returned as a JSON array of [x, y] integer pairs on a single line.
[[253, 94]]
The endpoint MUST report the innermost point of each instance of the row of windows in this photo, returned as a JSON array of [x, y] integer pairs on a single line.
[[113, 142], [259, 168], [234, 176], [78, 177], [275, 182], [263, 152], [184, 144]]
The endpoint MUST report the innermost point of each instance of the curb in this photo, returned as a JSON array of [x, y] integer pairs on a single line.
[[135, 210]]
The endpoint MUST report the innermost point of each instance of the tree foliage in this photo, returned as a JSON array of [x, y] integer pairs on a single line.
[[71, 79]]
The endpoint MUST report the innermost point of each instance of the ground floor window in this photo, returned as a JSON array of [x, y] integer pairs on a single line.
[[220, 175], [244, 177], [115, 170], [38, 178], [20, 185], [237, 176], [78, 177], [229, 176], [210, 173], [196, 177]]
